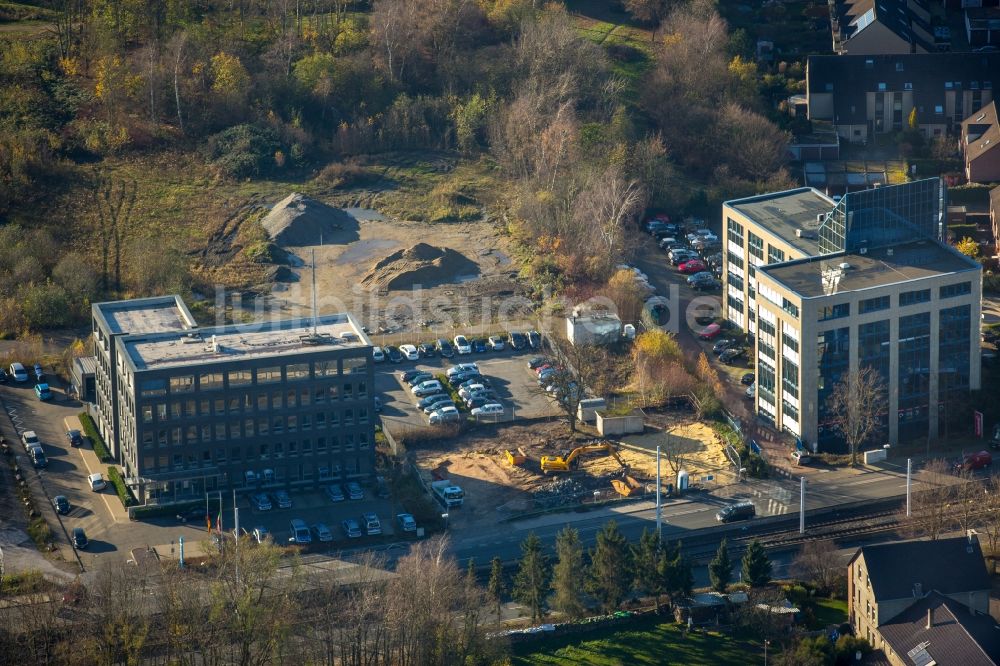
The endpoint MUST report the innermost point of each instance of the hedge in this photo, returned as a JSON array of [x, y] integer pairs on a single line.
[[179, 508], [90, 430], [124, 492]]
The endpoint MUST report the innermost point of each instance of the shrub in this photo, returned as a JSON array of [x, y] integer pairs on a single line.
[[90, 430], [46, 305], [346, 174], [244, 151], [160, 510], [40, 533], [123, 491]]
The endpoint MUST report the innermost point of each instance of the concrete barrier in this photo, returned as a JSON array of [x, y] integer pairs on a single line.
[[874, 456]]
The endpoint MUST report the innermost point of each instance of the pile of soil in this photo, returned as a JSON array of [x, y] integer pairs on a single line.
[[298, 220], [423, 265]]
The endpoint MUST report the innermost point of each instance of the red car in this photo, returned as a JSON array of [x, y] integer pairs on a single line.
[[975, 461], [693, 266], [710, 331]]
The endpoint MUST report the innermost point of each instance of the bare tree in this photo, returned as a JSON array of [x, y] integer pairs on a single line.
[[176, 48], [610, 204], [856, 406], [113, 201], [119, 615], [932, 507], [817, 562], [990, 523], [582, 368]]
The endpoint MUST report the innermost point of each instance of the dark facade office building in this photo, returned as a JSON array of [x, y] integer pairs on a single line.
[[277, 404]]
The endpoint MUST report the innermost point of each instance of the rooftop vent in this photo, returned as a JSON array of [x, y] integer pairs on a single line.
[[313, 339], [820, 218], [888, 252], [844, 266]]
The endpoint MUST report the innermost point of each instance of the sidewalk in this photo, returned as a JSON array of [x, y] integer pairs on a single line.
[[93, 464]]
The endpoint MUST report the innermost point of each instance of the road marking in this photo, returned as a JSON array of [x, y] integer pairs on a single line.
[[104, 496]]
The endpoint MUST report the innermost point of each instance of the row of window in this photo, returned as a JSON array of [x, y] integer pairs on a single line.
[[179, 462], [247, 402], [734, 231], [214, 381], [276, 425], [905, 298]]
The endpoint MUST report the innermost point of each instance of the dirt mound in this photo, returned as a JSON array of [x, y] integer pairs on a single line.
[[423, 265], [298, 220]]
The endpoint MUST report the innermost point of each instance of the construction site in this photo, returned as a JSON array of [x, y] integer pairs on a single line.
[[516, 469]]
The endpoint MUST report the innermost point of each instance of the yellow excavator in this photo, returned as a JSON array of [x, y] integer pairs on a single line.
[[561, 464]]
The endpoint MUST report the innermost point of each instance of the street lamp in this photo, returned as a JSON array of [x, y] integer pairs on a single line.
[[766, 643]]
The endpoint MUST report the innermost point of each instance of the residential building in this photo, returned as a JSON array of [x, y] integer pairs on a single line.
[[865, 95], [981, 145], [277, 404], [827, 289], [927, 600], [982, 27], [866, 27], [995, 217]]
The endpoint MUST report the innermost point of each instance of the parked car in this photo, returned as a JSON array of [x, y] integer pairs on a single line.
[[479, 346], [710, 332], [43, 392], [432, 399], [426, 349], [75, 438], [18, 372], [409, 352], [80, 541], [489, 409], [261, 501], [372, 524], [801, 458], [479, 401], [351, 528], [298, 532], [424, 389], [97, 482], [488, 396], [731, 355], [751, 391], [378, 355], [743, 510], [39, 374], [692, 266], [406, 522], [38, 458], [322, 533], [747, 379], [354, 491], [407, 375], [393, 354], [536, 362], [446, 414], [475, 379], [419, 378], [3, 375], [707, 285], [439, 405], [974, 461], [260, 534], [29, 439], [462, 345], [461, 367], [61, 504], [471, 388], [722, 345], [335, 492], [282, 499], [444, 348], [464, 377], [495, 342], [517, 341], [534, 339]]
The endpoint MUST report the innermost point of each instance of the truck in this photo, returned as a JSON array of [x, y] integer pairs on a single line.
[[448, 493]]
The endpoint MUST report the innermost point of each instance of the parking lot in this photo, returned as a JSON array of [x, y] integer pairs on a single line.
[[515, 385]]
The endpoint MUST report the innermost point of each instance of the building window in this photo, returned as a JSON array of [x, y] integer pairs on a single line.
[[767, 328], [297, 371], [210, 381], [790, 378], [355, 364], [182, 384], [734, 231], [240, 377], [765, 349], [269, 375], [953, 290], [790, 308], [914, 297], [755, 245], [838, 311], [152, 388], [938, 109], [874, 304], [788, 410], [147, 413], [326, 368], [774, 255], [735, 281], [735, 260], [790, 342]]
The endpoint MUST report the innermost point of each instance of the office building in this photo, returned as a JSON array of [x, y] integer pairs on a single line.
[[276, 404], [828, 288]]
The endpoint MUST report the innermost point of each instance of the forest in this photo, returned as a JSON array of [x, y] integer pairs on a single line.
[[130, 129]]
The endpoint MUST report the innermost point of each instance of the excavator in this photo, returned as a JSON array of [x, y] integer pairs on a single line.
[[564, 464]]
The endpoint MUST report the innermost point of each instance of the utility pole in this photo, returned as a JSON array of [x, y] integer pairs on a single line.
[[909, 483], [659, 507], [802, 505]]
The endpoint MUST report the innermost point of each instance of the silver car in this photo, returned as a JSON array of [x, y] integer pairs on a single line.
[[322, 532]]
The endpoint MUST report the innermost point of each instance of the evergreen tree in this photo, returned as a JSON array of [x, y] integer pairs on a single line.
[[646, 558], [720, 570], [497, 587], [756, 565], [568, 573], [531, 580], [610, 577], [676, 572]]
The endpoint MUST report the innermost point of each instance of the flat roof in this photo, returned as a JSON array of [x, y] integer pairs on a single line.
[[823, 276], [244, 341], [782, 213], [146, 315]]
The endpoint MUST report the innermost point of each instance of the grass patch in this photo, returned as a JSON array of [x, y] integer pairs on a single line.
[[452, 391], [15, 11], [25, 582], [90, 430], [830, 611], [123, 491], [40, 533], [648, 641]]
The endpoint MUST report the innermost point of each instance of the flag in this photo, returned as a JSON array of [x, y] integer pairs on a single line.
[[218, 522]]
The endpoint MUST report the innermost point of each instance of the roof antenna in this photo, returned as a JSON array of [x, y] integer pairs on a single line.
[[314, 312]]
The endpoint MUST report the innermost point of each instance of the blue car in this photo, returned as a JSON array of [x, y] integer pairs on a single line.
[[479, 346], [43, 392], [39, 375]]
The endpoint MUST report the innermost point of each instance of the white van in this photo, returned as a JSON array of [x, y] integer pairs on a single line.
[[18, 372]]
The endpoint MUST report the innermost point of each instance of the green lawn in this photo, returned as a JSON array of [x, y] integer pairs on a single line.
[[649, 641], [830, 611]]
